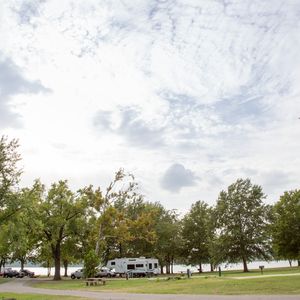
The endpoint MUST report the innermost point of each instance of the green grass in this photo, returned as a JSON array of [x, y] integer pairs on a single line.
[[3, 280], [255, 272], [207, 283], [37, 297]]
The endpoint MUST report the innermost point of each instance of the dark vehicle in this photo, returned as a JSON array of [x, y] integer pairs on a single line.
[[27, 273], [105, 272], [10, 273]]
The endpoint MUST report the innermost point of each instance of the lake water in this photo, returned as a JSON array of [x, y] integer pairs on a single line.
[[182, 268]]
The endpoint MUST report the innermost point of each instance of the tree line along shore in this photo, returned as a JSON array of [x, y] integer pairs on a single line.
[[57, 226]]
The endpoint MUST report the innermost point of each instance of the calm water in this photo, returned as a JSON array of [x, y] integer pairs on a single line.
[[183, 268]]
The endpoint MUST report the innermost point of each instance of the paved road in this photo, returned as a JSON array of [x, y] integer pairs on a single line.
[[21, 286]]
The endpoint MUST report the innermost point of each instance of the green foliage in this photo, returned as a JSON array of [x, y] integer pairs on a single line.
[[286, 226], [9, 177], [197, 233], [242, 223], [91, 262], [169, 240], [58, 212]]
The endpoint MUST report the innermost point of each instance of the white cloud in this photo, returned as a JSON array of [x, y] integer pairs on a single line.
[[176, 177]]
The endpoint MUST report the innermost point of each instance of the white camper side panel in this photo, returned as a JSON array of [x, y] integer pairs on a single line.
[[138, 265]]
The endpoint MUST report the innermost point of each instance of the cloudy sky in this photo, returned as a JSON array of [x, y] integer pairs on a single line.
[[187, 95]]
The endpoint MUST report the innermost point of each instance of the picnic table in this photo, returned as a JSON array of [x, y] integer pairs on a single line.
[[95, 281]]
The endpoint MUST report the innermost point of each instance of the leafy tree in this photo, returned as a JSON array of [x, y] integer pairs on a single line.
[[140, 217], [242, 223], [168, 244], [120, 189], [4, 244], [9, 176], [197, 233], [24, 240], [91, 262], [286, 226], [111, 223], [131, 228], [58, 213]]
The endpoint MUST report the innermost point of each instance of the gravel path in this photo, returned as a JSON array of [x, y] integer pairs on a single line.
[[21, 286]]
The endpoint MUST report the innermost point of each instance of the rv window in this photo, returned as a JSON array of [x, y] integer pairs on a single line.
[[113, 263], [150, 265], [130, 267], [139, 265], [155, 265]]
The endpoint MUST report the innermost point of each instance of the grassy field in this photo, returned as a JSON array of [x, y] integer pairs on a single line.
[[37, 297], [207, 283]]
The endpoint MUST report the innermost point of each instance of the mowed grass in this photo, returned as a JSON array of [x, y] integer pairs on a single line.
[[3, 280], [208, 283], [257, 272], [37, 297]]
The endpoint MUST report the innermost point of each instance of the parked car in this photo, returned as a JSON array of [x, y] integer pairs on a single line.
[[27, 273], [10, 273], [105, 272], [77, 274]]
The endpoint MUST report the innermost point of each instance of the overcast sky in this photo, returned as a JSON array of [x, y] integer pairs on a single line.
[[187, 95]]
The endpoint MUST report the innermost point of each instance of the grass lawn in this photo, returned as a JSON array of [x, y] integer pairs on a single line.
[[2, 280], [205, 284], [38, 297]]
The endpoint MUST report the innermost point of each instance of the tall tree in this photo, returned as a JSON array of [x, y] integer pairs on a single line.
[[242, 222], [9, 176], [286, 226], [197, 233], [58, 212], [121, 189], [23, 233], [169, 243]]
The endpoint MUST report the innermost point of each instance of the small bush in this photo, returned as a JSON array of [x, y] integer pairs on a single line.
[[91, 261]]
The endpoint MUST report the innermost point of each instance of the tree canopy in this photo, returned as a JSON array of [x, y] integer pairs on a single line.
[[242, 223]]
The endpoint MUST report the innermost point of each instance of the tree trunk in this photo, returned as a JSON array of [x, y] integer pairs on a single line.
[[56, 257], [245, 265], [161, 269], [211, 267], [120, 249], [290, 262], [22, 264], [168, 267], [298, 262], [200, 267], [172, 264], [66, 264]]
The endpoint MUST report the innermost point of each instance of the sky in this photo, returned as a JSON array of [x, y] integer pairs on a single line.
[[187, 95]]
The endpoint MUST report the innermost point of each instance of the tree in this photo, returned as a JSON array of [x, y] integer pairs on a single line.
[[168, 244], [9, 176], [242, 223], [24, 240], [4, 244], [58, 212], [196, 234], [108, 206], [286, 226], [91, 262]]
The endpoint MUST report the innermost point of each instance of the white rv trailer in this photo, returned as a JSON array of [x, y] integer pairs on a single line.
[[134, 267]]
